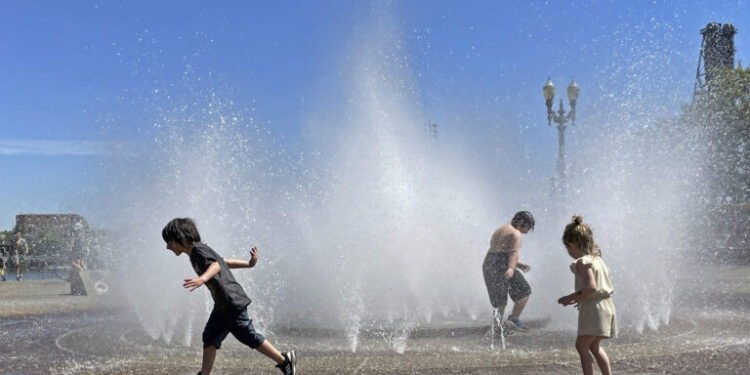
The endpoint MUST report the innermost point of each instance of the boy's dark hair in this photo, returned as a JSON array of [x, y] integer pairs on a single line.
[[523, 217], [182, 230]]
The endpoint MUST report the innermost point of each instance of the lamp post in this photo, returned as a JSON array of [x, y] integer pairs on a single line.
[[560, 118]]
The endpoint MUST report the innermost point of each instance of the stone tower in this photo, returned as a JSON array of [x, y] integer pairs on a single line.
[[717, 52]]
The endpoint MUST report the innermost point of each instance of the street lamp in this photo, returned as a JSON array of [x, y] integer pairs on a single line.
[[561, 119]]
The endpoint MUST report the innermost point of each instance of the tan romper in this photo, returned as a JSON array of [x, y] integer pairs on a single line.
[[596, 314]]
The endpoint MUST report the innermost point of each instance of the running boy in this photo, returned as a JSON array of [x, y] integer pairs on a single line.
[[499, 269], [230, 301]]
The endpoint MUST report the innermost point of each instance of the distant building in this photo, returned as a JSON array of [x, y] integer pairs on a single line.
[[33, 226]]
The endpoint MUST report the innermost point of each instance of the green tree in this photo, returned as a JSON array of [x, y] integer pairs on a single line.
[[6, 237], [721, 114], [52, 242]]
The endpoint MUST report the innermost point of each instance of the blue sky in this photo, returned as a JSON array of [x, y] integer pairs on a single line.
[[78, 76]]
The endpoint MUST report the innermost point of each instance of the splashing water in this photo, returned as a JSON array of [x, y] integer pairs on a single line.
[[376, 217]]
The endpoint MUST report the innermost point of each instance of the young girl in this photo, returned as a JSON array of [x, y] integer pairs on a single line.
[[596, 311]]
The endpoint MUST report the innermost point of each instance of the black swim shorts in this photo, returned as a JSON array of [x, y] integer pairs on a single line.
[[498, 287]]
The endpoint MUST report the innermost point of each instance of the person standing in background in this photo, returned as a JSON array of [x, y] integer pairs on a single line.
[[19, 251]]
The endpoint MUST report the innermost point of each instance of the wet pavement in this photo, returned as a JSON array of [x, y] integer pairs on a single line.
[[45, 331]]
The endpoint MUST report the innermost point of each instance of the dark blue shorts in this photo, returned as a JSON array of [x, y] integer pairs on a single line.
[[220, 324]]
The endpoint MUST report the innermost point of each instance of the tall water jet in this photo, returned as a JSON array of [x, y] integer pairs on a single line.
[[375, 225]]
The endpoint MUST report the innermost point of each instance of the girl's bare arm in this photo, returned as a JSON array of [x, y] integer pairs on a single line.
[[589, 285], [589, 282]]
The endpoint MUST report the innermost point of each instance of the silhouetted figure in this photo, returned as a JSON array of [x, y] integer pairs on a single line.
[[19, 251], [78, 272]]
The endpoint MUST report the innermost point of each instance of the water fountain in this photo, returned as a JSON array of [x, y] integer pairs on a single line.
[[372, 236], [376, 225]]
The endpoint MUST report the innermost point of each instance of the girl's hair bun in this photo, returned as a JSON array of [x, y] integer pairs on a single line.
[[577, 219]]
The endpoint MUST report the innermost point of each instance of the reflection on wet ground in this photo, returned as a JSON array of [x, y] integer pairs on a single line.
[[92, 343], [86, 337]]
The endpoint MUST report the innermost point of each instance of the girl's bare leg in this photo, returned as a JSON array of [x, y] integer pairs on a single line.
[[583, 345], [601, 357]]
